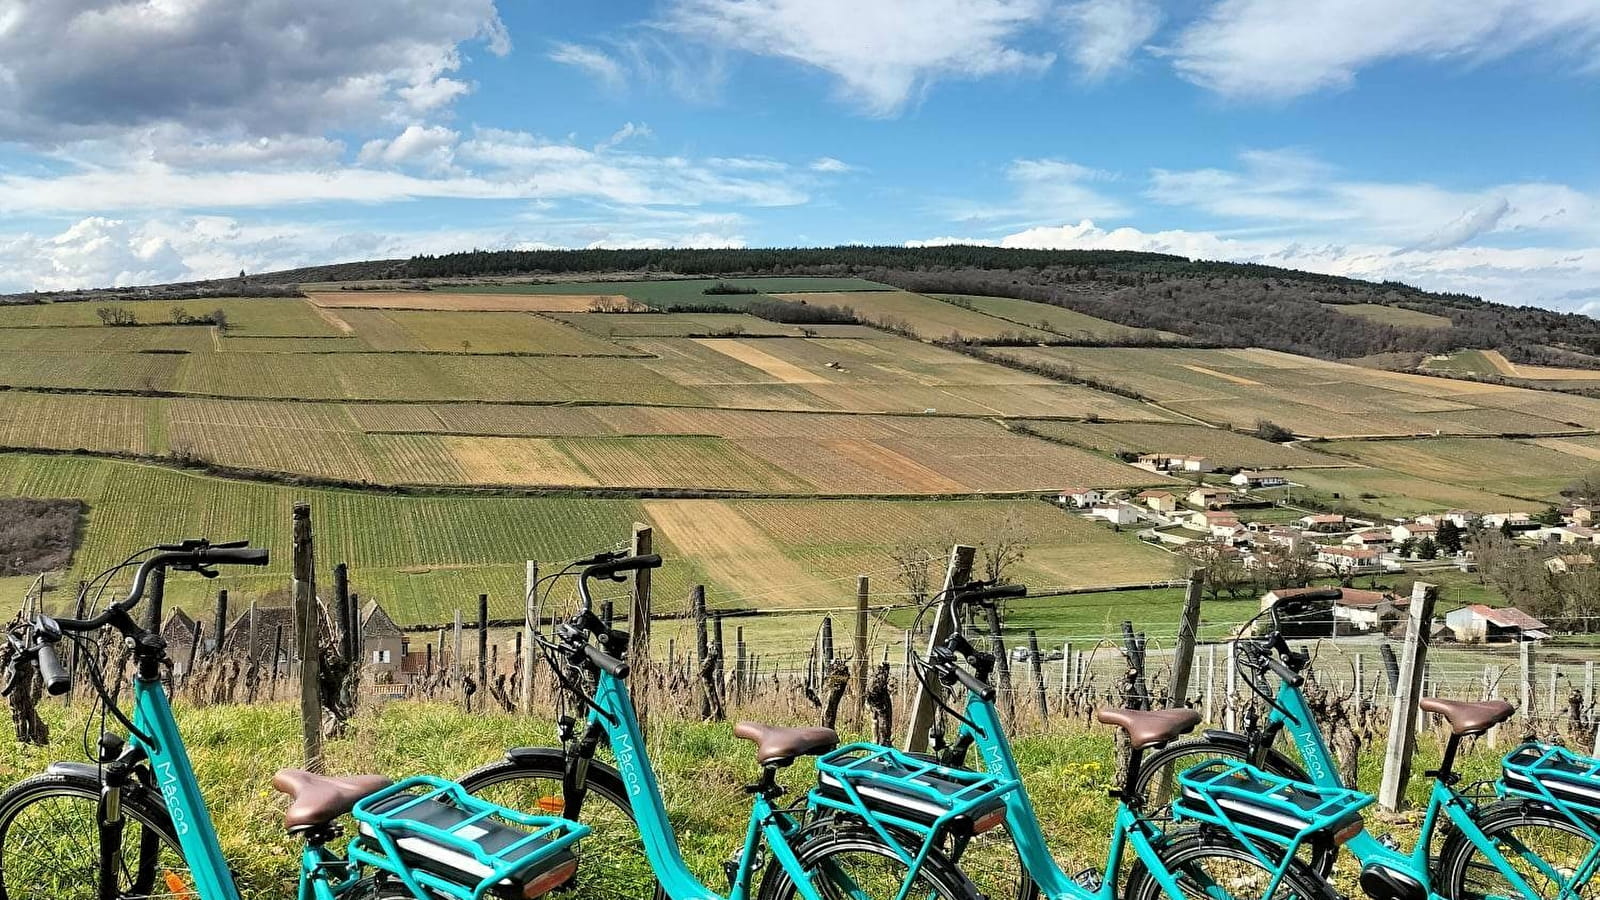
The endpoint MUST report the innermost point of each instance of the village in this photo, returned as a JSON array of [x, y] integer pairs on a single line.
[[1249, 519]]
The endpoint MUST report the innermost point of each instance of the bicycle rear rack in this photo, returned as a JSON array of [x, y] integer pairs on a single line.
[[910, 792], [1247, 800], [431, 833], [1554, 775]]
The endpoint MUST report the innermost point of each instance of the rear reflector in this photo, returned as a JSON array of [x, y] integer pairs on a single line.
[[989, 820], [550, 880]]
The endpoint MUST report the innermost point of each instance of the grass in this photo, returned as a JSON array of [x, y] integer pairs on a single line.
[[702, 769], [1397, 316], [1465, 362], [1391, 494], [255, 316], [670, 293]]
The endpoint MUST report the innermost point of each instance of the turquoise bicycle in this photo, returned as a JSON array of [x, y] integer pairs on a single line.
[[922, 803], [133, 824], [1538, 837], [779, 858]]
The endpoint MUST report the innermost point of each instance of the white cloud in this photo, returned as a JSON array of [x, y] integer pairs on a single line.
[[1298, 193], [1043, 190], [1277, 49], [1555, 277], [417, 145], [599, 64], [883, 51], [75, 69], [627, 132], [831, 166], [1103, 35]]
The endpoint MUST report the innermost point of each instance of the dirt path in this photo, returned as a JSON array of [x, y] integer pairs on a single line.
[[781, 369], [732, 552], [1223, 375]]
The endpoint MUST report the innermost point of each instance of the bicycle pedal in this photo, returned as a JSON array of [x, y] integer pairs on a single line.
[[1088, 879]]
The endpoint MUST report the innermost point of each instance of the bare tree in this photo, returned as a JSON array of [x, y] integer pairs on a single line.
[[1009, 547]]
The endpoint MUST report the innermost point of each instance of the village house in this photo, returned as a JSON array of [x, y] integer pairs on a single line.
[[1371, 537], [1080, 497], [270, 621], [1579, 515], [1215, 523], [1322, 523], [1249, 478], [1209, 497], [1353, 611], [1168, 462], [1413, 531], [1286, 536], [1562, 565], [383, 644], [1575, 534], [1344, 560], [178, 633], [1160, 501], [1479, 624], [1518, 520]]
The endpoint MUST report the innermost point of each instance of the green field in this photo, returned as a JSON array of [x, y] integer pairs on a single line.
[[1386, 493], [1514, 468], [1462, 362], [1055, 319], [257, 317], [926, 317], [670, 293], [1397, 316]]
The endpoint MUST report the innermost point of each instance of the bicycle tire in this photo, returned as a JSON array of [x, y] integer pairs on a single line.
[[613, 865], [938, 878], [62, 862], [1183, 852], [1498, 820]]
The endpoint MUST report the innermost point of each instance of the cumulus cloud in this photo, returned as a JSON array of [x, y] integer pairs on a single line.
[[1277, 49], [1103, 35], [73, 69], [418, 144], [627, 132], [882, 52]]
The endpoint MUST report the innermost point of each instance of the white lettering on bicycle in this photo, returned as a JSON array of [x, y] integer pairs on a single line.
[[170, 790]]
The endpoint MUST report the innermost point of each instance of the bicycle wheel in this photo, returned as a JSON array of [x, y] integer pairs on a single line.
[[50, 839], [990, 861], [1516, 828], [850, 863], [612, 865], [1214, 866]]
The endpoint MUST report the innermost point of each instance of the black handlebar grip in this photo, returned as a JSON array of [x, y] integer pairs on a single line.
[[605, 661], [627, 564], [52, 672], [973, 683], [241, 556], [1290, 676]]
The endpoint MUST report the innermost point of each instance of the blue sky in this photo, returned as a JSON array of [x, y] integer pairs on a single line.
[[1451, 145]]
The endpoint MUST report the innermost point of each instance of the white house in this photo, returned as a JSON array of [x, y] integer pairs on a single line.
[[1080, 497], [1116, 513], [1250, 478], [1479, 624], [1220, 524], [1414, 531], [1513, 519], [1169, 462], [1575, 534], [1352, 610], [1563, 565], [1351, 560], [1331, 522]]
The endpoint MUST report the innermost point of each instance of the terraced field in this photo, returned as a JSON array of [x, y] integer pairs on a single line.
[[1314, 397], [927, 317], [1223, 447], [1056, 319], [1513, 468]]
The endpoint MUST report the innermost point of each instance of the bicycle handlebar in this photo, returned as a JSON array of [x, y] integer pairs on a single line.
[[978, 591], [52, 672], [613, 568], [605, 661], [191, 556]]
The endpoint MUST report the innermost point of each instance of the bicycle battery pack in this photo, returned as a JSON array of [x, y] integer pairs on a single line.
[[910, 791], [1552, 774]]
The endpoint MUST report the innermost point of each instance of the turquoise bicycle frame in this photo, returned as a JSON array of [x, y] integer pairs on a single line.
[[1128, 829], [614, 712], [324, 875], [1292, 715]]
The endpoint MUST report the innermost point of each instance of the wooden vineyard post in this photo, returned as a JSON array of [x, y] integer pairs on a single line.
[[219, 624], [1002, 661], [1135, 692], [277, 653], [252, 657], [719, 684], [1038, 674], [958, 572], [639, 625], [1230, 710], [483, 644], [1526, 685], [1183, 653], [529, 603], [740, 661], [1402, 721], [827, 641], [457, 668], [862, 595], [194, 650], [306, 621], [697, 609]]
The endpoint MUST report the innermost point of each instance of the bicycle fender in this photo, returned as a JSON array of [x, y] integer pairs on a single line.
[[81, 770]]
